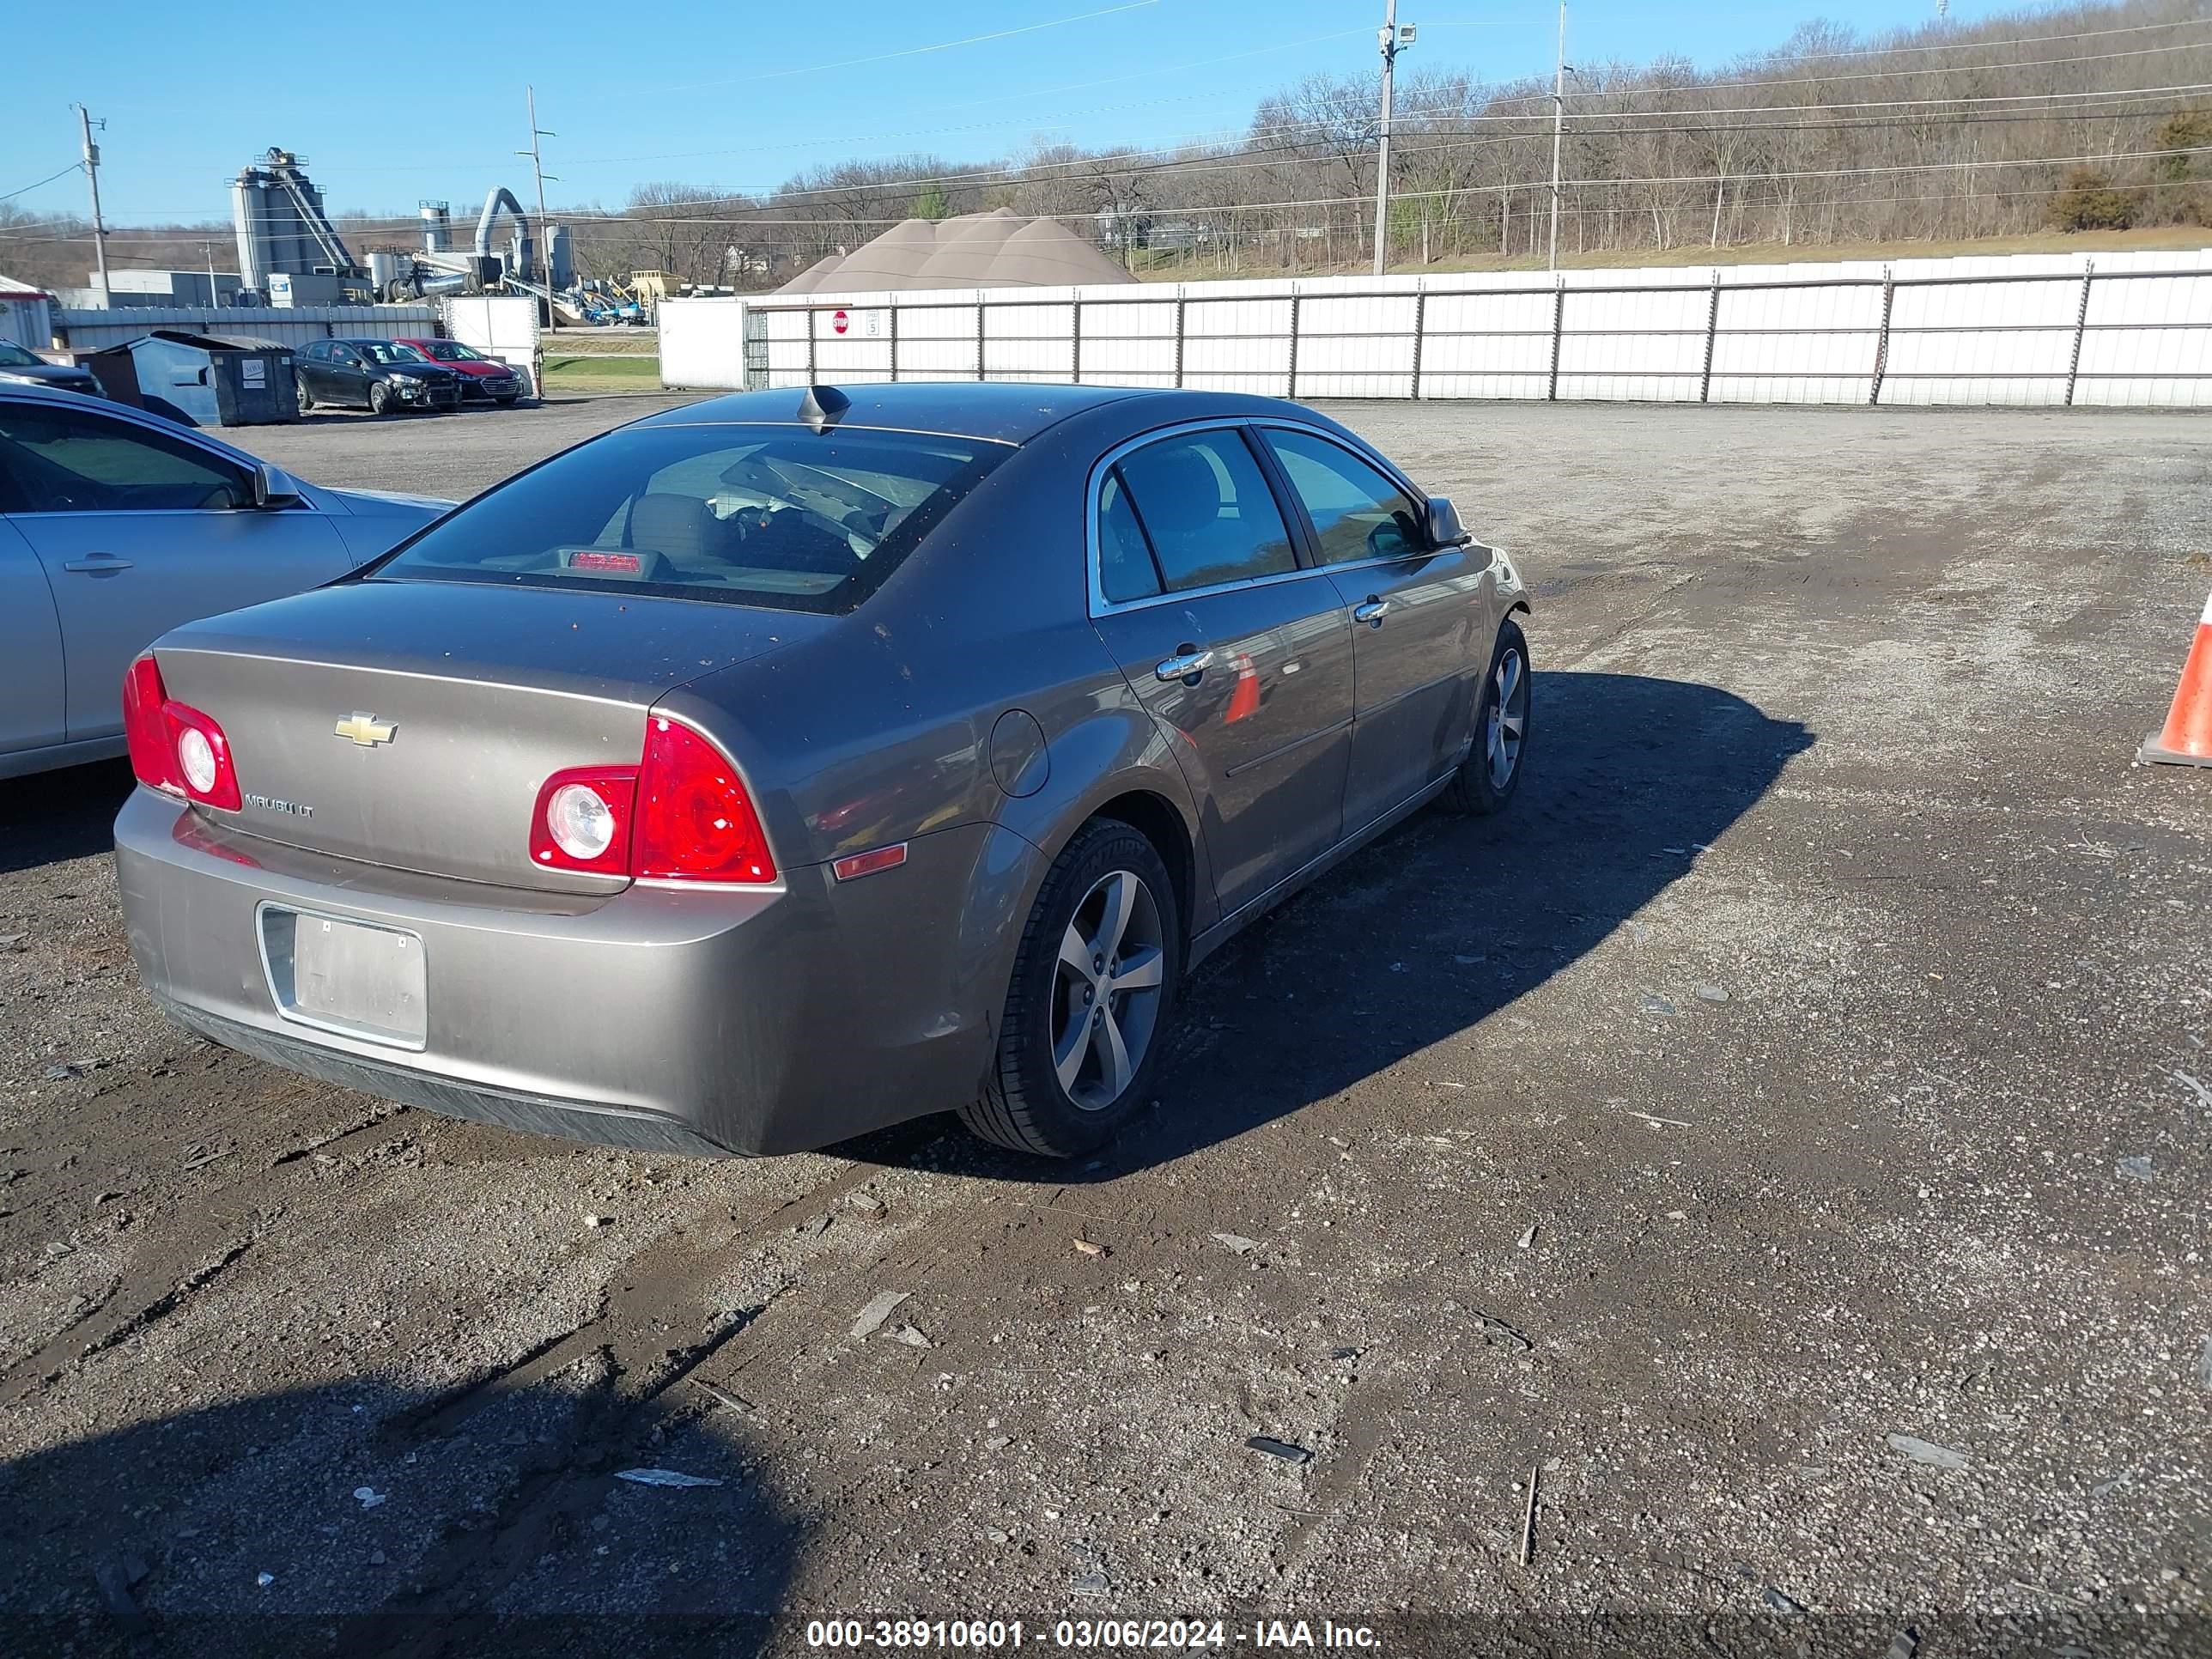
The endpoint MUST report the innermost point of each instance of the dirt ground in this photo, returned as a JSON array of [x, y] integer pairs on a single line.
[[1782, 1133]]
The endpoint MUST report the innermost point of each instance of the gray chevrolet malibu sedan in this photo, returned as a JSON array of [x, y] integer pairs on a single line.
[[791, 764]]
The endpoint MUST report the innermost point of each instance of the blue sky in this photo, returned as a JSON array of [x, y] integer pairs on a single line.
[[739, 95]]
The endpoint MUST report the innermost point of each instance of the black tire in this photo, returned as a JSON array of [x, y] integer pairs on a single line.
[[1024, 1105], [307, 397], [380, 396], [1475, 789]]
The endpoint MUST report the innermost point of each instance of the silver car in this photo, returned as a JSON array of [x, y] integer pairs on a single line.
[[788, 765], [115, 526]]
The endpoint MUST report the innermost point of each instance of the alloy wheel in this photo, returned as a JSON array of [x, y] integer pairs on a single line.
[[1106, 990], [1509, 717]]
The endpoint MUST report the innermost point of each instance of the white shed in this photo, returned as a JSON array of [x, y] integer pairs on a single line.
[[25, 316]]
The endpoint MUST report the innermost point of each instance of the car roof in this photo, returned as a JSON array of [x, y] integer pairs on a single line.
[[1000, 411], [1003, 411]]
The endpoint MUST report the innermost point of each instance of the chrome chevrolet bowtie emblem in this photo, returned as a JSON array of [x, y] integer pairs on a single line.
[[365, 730]]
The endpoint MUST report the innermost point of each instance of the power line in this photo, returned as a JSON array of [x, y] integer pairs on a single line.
[[11, 195], [1643, 91], [1884, 75], [1884, 103], [1274, 155], [1017, 172], [1967, 45], [1886, 170], [646, 219]]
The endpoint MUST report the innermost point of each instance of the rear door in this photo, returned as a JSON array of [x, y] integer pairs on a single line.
[[137, 531], [311, 368], [347, 375], [1421, 623], [1231, 643]]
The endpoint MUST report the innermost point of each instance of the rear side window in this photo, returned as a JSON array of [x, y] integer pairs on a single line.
[[1126, 570], [1205, 511], [1357, 513], [759, 515]]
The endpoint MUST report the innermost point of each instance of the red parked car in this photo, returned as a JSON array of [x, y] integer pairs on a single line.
[[483, 378]]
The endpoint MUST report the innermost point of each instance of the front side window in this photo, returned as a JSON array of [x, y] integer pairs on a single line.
[[760, 515], [13, 356], [1204, 512], [56, 461], [1357, 513]]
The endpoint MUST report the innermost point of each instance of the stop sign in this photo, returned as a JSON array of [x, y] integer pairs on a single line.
[[840, 321]]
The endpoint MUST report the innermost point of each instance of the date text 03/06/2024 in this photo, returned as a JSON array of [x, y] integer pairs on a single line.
[[1109, 1635]]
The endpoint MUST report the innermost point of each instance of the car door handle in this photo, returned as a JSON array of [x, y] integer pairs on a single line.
[[1372, 612], [99, 564], [1188, 666]]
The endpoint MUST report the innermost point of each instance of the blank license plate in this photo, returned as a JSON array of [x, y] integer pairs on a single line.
[[345, 976]]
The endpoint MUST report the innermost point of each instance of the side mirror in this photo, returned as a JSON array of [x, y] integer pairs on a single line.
[[1443, 525], [274, 486]]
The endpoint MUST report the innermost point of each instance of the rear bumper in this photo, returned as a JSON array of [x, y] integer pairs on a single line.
[[576, 1120], [699, 1021]]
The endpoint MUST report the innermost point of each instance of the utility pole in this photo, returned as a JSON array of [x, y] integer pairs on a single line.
[[92, 175], [536, 167], [1391, 47], [1558, 130]]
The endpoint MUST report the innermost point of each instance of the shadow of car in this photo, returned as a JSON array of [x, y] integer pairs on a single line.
[[229, 1528], [1444, 925]]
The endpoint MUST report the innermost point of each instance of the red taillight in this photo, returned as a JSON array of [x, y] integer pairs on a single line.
[[694, 821], [145, 730], [582, 820], [681, 814], [175, 748]]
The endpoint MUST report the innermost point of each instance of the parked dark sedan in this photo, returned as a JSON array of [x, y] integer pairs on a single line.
[[782, 767], [373, 374], [27, 368]]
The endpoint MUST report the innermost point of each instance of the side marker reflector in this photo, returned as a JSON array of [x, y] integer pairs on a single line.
[[866, 864]]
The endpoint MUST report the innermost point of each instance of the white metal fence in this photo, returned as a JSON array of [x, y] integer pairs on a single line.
[[91, 330], [2045, 330]]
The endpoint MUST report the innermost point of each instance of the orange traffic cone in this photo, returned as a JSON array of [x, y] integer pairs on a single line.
[[2187, 738], [1244, 700]]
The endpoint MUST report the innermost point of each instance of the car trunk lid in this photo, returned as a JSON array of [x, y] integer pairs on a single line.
[[411, 724]]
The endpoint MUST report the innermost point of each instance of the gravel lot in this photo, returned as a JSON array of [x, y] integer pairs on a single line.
[[1786, 1129]]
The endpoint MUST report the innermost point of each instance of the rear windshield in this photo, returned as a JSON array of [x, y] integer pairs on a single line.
[[759, 515]]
